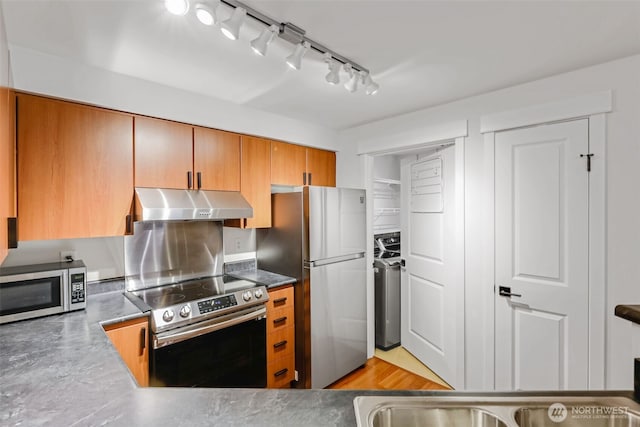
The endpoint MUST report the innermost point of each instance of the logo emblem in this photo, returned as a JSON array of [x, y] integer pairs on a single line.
[[557, 412]]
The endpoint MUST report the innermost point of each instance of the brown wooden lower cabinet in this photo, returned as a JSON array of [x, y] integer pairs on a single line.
[[131, 339], [280, 338]]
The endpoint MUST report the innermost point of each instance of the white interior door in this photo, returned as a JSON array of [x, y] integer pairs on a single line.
[[541, 253], [431, 303]]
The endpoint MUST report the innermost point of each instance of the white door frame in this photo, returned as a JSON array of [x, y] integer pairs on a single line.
[[431, 137], [594, 107]]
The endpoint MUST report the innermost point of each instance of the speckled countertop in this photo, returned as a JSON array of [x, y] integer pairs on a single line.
[[247, 270], [629, 312], [63, 371]]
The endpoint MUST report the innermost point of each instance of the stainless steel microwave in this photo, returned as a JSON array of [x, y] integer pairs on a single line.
[[30, 291]]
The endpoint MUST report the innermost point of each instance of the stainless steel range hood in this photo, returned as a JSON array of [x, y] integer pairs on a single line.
[[164, 204]]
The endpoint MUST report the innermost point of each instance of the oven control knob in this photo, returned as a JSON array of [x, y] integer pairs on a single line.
[[246, 295], [258, 294], [185, 311], [167, 316]]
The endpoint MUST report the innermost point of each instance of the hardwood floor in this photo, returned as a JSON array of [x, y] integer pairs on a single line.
[[380, 375]]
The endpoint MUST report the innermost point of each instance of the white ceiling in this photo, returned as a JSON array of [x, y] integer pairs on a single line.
[[422, 53]]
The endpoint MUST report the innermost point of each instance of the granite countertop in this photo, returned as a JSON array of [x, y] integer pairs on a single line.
[[629, 312], [248, 270], [63, 371]]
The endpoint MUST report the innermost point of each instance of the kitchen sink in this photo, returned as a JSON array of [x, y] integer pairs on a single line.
[[496, 411]]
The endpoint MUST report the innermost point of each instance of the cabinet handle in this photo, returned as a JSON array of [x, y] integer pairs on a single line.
[[189, 180], [199, 178], [12, 232], [143, 340], [280, 300], [128, 224], [280, 320], [280, 344], [281, 372], [309, 178], [304, 178]]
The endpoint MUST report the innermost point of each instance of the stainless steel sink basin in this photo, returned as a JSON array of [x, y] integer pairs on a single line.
[[520, 411]]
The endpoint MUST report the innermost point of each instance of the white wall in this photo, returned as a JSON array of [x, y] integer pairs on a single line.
[[5, 78], [623, 197]]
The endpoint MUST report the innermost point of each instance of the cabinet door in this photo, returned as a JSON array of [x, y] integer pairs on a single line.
[[321, 165], [131, 339], [280, 338], [216, 159], [7, 166], [255, 180], [288, 163], [75, 170], [163, 153]]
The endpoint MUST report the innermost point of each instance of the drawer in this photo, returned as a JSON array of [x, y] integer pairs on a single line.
[[280, 298], [280, 343], [280, 319], [281, 372]]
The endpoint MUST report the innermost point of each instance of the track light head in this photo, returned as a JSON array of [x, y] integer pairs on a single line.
[[207, 14], [261, 44], [231, 27], [370, 87], [352, 84], [295, 59], [177, 7], [333, 77]]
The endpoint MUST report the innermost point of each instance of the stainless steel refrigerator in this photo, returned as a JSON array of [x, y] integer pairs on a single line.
[[318, 236]]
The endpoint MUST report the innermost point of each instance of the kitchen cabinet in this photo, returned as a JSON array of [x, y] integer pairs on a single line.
[[75, 170], [216, 159], [255, 179], [7, 167], [177, 155], [131, 339], [163, 153], [280, 338], [297, 165]]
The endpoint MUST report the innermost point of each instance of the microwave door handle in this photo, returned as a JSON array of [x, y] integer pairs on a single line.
[[162, 340]]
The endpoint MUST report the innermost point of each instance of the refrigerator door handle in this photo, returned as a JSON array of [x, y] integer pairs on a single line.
[[326, 261]]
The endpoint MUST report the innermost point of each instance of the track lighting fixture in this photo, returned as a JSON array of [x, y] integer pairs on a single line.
[[352, 84], [177, 7], [295, 59], [231, 26], [334, 69], [370, 87], [207, 14], [261, 44]]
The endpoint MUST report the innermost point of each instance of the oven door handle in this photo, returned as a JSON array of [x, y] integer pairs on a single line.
[[162, 340]]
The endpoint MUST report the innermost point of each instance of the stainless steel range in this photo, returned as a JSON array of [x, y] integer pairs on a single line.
[[207, 329]]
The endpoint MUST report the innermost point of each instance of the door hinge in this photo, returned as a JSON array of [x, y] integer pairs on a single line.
[[588, 156]]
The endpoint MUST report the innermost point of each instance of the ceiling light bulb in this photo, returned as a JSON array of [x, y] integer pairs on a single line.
[[231, 27], [354, 76], [206, 14], [333, 77], [177, 7], [371, 87], [295, 59], [261, 44]]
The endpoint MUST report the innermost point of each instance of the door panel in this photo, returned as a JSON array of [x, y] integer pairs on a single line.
[[541, 223], [216, 156], [429, 291]]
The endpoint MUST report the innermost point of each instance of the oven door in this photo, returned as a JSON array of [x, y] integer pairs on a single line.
[[228, 352], [25, 296]]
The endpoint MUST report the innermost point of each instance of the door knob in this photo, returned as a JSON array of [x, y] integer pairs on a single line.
[[505, 291]]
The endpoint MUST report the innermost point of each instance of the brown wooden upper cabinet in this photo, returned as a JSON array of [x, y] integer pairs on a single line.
[[176, 155], [7, 166], [255, 182], [75, 169], [297, 165]]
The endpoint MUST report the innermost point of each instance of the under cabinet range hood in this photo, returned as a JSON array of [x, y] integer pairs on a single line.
[[165, 204]]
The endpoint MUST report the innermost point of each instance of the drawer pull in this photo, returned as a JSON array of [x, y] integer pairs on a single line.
[[281, 372], [280, 320], [280, 300], [280, 344]]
